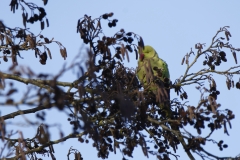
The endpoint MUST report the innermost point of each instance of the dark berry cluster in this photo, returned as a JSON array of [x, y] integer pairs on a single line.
[[221, 145], [238, 85], [21, 34], [213, 61], [37, 17], [112, 23], [214, 92]]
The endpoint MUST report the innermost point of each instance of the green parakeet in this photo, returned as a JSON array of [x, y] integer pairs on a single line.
[[152, 72]]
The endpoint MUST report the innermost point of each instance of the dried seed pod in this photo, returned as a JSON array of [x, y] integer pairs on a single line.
[[46, 40], [213, 85], [228, 83], [105, 16], [110, 14], [187, 57], [45, 2], [5, 58], [227, 35]]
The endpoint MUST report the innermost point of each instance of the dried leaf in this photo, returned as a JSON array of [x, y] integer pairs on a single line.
[[78, 25], [191, 113], [232, 84], [212, 103], [126, 51], [225, 128], [65, 51], [2, 129], [49, 53], [31, 40], [221, 44], [183, 60], [99, 24], [26, 15], [9, 101], [76, 156], [46, 40], [24, 19], [8, 40], [141, 43], [108, 52], [42, 25], [234, 56], [213, 83], [228, 83], [5, 58], [226, 34], [229, 34], [45, 2], [42, 134], [2, 82], [92, 26], [122, 49], [136, 53], [81, 91], [229, 123], [1, 36], [62, 53], [11, 91], [187, 56], [47, 22], [14, 60], [143, 145], [36, 52]]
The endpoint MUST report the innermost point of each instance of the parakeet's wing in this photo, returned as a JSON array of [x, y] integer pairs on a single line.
[[160, 68]]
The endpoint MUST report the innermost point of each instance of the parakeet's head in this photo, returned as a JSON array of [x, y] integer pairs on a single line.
[[147, 52]]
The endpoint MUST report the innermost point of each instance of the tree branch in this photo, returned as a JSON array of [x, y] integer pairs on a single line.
[[177, 134], [39, 149]]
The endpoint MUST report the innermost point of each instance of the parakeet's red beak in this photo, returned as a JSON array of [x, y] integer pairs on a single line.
[[141, 56]]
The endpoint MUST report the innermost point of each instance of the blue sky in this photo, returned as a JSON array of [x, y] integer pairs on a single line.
[[171, 27]]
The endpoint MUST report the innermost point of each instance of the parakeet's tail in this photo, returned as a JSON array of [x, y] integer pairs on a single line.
[[163, 98]]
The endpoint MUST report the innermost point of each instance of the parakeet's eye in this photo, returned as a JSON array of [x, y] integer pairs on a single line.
[[141, 56], [147, 52]]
